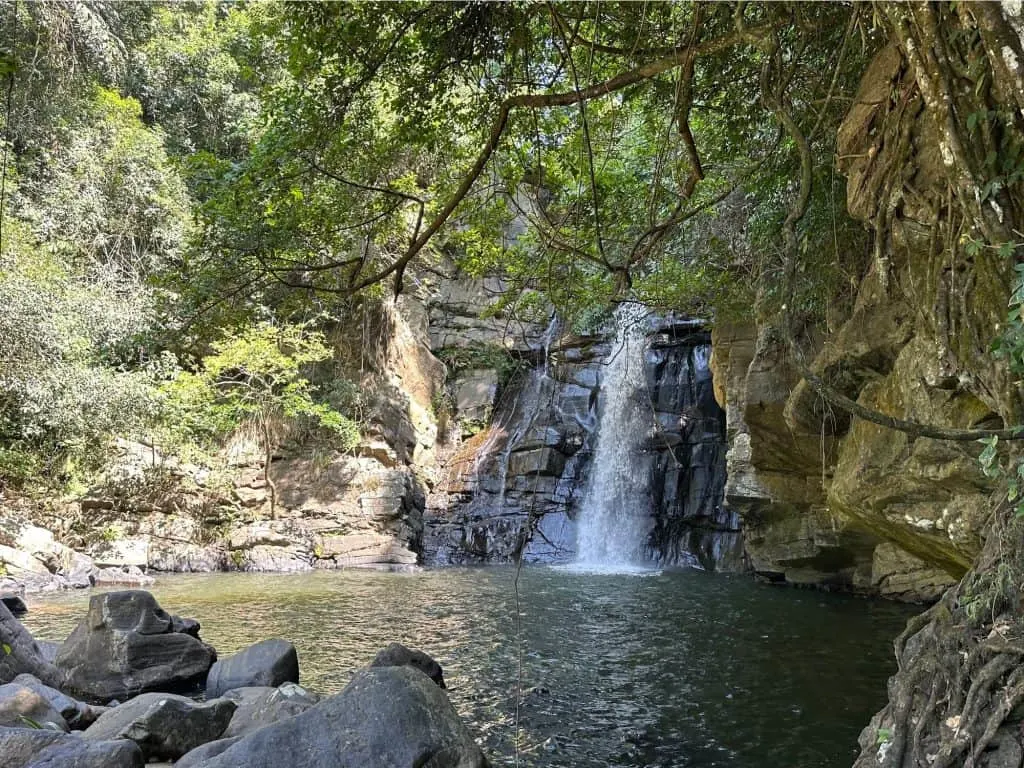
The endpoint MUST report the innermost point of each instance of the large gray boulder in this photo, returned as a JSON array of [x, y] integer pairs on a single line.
[[127, 645], [267, 663], [260, 705], [386, 717], [164, 726], [397, 655], [76, 713], [21, 707], [21, 653], [33, 748]]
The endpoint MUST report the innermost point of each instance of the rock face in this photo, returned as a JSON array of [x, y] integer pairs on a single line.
[[127, 645], [357, 728], [267, 663], [834, 502], [164, 726], [32, 748], [397, 655]]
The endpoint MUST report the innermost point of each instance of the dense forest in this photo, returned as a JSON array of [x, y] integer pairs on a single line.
[[205, 207]]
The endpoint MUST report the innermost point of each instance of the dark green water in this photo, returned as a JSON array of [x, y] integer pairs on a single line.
[[678, 669]]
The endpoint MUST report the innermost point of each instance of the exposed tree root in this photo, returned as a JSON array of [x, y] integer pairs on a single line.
[[960, 684]]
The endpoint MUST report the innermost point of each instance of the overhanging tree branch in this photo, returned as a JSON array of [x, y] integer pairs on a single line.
[[541, 101]]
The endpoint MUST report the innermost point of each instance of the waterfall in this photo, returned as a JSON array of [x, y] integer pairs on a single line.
[[615, 517]]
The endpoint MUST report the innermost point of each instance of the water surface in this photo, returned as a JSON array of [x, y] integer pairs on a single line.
[[686, 669]]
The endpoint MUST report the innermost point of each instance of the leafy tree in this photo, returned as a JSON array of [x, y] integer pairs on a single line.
[[254, 377]]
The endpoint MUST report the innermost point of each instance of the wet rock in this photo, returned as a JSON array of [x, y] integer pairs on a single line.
[[397, 655], [267, 663], [34, 748], [357, 727], [262, 705], [76, 713], [21, 706], [185, 626], [164, 726], [126, 645]]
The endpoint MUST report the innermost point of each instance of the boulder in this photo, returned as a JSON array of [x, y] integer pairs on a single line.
[[164, 726], [76, 713], [126, 645], [386, 717], [23, 653], [267, 663], [34, 748], [397, 655], [197, 757], [261, 705], [22, 707]]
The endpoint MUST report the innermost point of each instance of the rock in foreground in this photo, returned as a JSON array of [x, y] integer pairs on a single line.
[[267, 663], [387, 717], [127, 645], [164, 726], [32, 748]]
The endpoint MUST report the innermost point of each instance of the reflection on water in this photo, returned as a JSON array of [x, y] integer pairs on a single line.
[[674, 669]]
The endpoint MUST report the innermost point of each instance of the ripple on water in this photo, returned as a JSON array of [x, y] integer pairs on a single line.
[[681, 669]]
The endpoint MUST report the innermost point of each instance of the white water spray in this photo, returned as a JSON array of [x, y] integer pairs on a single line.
[[615, 518]]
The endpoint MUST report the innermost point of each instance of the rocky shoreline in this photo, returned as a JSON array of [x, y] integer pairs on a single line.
[[133, 684]]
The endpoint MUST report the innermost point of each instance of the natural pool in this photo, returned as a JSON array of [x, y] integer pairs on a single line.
[[683, 669]]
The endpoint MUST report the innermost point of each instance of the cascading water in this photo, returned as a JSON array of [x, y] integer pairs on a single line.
[[615, 517]]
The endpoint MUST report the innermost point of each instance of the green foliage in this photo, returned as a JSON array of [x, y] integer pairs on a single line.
[[110, 202], [253, 376], [69, 375], [199, 72]]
